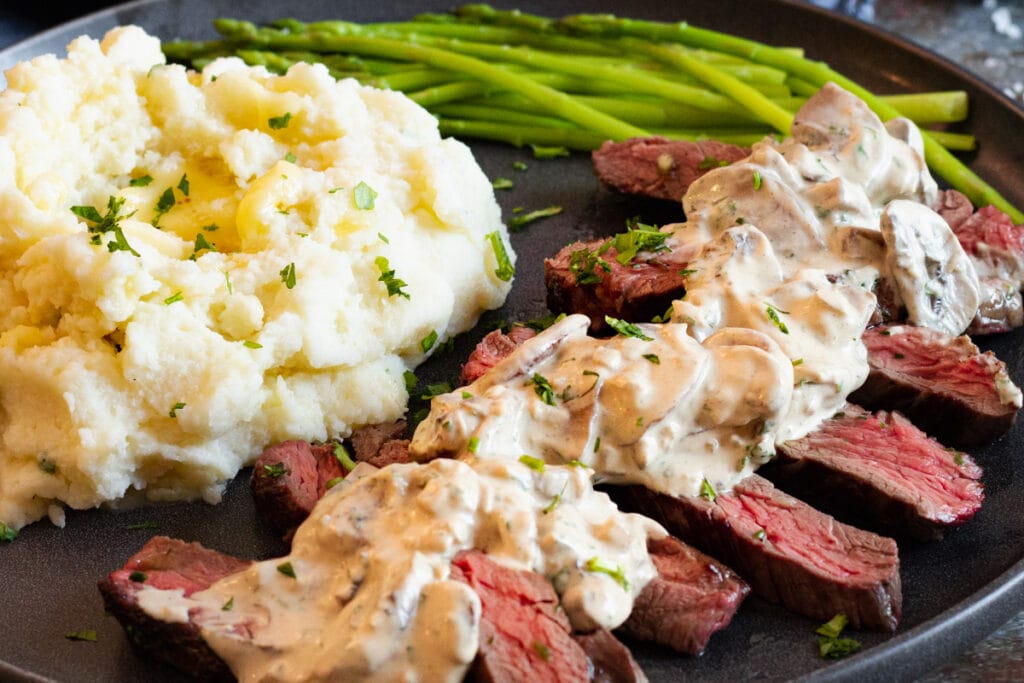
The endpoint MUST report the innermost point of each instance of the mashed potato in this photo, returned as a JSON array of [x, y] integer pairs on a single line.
[[196, 265]]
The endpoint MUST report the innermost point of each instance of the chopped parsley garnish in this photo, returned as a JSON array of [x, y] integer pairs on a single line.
[[466, 395], [583, 263], [226, 607], [287, 569], [707, 490], [757, 180], [533, 463], [141, 181], [687, 272], [797, 362], [291, 159], [183, 185], [760, 535], [543, 389], [428, 342], [502, 184], [546, 152], [958, 458], [616, 572], [410, 380], [520, 165], [251, 344], [523, 219], [773, 315], [364, 196], [710, 162], [550, 507], [106, 223], [288, 275], [7, 533], [579, 463], [830, 645], [279, 122], [473, 444], [212, 227], [227, 281], [653, 357], [164, 204], [383, 238], [174, 298], [436, 389], [505, 269], [343, 457], [137, 577], [627, 329], [202, 244], [48, 466], [175, 408], [387, 276], [638, 237], [275, 471], [85, 634], [542, 650]]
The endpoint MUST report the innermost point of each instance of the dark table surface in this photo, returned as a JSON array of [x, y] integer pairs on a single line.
[[984, 36]]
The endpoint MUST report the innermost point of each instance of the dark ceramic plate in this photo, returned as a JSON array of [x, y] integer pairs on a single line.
[[955, 591]]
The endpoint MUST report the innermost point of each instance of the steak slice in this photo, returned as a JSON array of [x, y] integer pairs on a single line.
[[789, 552], [691, 598], [610, 660], [882, 468], [994, 243], [492, 349], [523, 633], [636, 292], [944, 384], [954, 207], [169, 564], [382, 444], [289, 478], [660, 168], [1001, 308]]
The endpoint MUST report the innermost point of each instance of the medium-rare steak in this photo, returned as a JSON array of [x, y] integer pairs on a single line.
[[491, 349], [882, 468], [587, 278], [944, 384], [169, 564], [660, 168], [954, 207], [382, 444], [289, 478], [994, 243], [691, 598], [788, 551], [610, 660]]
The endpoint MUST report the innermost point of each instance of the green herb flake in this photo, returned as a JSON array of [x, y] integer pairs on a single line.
[[709, 162], [383, 238], [707, 490], [533, 463], [84, 634], [958, 458], [549, 152], [280, 122], [757, 180], [287, 569], [291, 159], [164, 204], [473, 444], [505, 269], [288, 275], [524, 219], [141, 181], [687, 272], [542, 650], [364, 196], [137, 577], [627, 329], [174, 298], [653, 357], [436, 389], [106, 223], [428, 342], [520, 165], [466, 395], [543, 389], [410, 380], [175, 408], [227, 606], [183, 184], [343, 457], [201, 244], [760, 535], [251, 344], [227, 281], [616, 572], [48, 466], [212, 227], [638, 237], [274, 471], [7, 533], [773, 315], [583, 263], [830, 644], [797, 362], [502, 184], [387, 276]]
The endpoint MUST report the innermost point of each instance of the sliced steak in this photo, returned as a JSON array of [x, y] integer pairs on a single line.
[[944, 384], [788, 551], [660, 168], [610, 660], [169, 564], [491, 349], [289, 478], [523, 633], [994, 243], [691, 598], [582, 279], [884, 470], [954, 207], [382, 444], [1001, 308]]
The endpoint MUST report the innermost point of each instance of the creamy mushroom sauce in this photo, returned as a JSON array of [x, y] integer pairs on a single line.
[[788, 245], [366, 592]]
